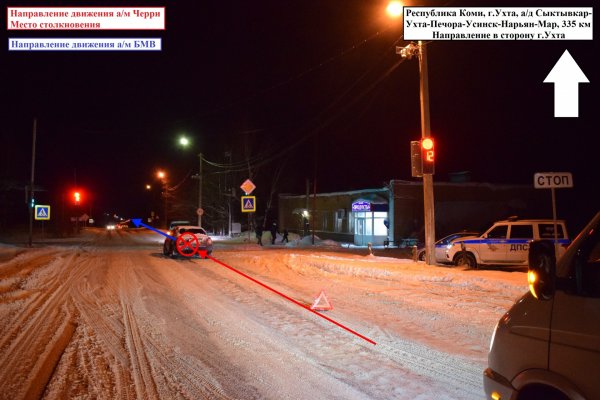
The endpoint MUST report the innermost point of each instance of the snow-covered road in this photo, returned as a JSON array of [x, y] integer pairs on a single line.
[[110, 317]]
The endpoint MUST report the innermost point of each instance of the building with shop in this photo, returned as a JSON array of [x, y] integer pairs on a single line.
[[394, 214]]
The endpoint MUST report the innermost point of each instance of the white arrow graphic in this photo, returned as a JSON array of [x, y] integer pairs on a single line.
[[566, 76]]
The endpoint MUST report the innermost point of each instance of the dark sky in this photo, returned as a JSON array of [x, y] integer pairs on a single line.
[[288, 81]]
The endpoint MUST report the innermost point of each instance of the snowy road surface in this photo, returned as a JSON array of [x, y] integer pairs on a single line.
[[110, 317]]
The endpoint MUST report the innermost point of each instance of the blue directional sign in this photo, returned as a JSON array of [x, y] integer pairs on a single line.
[[248, 203], [42, 212]]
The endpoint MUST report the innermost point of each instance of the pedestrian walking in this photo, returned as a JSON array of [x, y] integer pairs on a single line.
[[273, 232], [285, 236], [259, 232]]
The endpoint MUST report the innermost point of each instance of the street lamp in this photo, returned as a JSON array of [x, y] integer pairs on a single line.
[[200, 211], [419, 50], [163, 178], [185, 142], [394, 9]]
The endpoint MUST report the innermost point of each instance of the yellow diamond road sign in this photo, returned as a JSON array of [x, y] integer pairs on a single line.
[[42, 212], [248, 186], [248, 203]]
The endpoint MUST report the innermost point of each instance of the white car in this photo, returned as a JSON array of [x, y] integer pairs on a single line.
[[204, 242], [444, 244]]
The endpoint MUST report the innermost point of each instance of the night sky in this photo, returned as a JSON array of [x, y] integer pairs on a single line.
[[304, 85]]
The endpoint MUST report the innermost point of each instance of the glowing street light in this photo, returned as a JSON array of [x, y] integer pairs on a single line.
[[148, 187], [394, 9], [161, 175], [184, 141]]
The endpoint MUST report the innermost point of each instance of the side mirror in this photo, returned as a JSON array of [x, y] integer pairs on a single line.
[[542, 269]]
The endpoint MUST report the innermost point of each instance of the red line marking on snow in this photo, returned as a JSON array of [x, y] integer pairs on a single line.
[[204, 255]]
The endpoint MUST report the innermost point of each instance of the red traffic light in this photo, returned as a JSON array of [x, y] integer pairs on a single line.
[[428, 155], [77, 197]]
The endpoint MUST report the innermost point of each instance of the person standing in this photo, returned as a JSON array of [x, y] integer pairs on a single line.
[[273, 232], [259, 232], [285, 236]]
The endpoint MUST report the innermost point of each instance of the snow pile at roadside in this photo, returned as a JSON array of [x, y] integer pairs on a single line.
[[307, 241], [8, 251], [405, 270]]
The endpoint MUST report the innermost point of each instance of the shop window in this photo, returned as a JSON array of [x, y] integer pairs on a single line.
[[339, 220], [379, 228]]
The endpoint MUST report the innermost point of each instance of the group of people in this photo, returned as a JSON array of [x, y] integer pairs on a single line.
[[274, 231]]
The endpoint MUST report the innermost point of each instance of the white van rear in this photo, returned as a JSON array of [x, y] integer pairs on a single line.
[[547, 346]]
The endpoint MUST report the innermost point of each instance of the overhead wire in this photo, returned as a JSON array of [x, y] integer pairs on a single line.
[[257, 157], [259, 161]]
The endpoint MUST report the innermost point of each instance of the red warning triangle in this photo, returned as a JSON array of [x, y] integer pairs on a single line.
[[321, 303]]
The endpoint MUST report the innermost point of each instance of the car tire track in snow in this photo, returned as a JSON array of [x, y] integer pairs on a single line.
[[175, 372], [463, 377], [145, 387], [37, 338]]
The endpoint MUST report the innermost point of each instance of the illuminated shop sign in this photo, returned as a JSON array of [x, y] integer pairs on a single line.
[[361, 206]]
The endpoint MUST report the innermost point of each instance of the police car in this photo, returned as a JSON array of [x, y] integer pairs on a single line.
[[506, 242]]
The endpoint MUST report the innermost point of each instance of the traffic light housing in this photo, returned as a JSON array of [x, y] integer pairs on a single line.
[[416, 165], [427, 155]]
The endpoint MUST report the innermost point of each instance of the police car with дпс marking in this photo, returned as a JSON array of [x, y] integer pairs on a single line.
[[506, 242]]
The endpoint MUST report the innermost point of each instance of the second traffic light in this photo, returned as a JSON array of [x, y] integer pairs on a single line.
[[77, 197], [422, 157], [428, 155]]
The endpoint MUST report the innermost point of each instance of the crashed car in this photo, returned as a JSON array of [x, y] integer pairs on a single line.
[[192, 239]]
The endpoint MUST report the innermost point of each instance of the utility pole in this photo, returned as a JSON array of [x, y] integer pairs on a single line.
[[200, 191], [314, 210], [229, 194], [31, 191], [166, 205], [428, 201], [420, 51]]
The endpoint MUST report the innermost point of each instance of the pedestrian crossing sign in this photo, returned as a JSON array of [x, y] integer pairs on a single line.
[[248, 203], [42, 212]]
